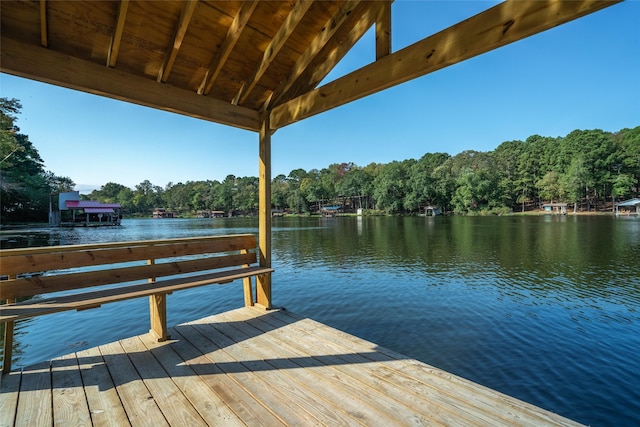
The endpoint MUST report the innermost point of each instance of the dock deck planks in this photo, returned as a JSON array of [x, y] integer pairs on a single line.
[[251, 367]]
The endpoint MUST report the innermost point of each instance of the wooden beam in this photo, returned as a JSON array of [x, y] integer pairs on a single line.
[[44, 38], [496, 27], [233, 35], [185, 18], [361, 19], [263, 282], [290, 24], [383, 31], [116, 38], [328, 31], [37, 63]]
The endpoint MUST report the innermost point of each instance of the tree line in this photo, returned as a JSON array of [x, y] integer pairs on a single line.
[[588, 169]]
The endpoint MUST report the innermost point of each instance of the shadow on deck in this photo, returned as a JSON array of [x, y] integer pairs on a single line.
[[251, 367]]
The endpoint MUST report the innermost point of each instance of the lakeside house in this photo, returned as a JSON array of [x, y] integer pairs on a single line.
[[69, 211], [556, 208], [163, 213], [432, 211], [330, 211], [629, 207]]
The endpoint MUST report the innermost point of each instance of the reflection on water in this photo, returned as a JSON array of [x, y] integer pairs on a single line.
[[543, 308]]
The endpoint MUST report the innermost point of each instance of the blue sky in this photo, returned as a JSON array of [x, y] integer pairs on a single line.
[[582, 75]]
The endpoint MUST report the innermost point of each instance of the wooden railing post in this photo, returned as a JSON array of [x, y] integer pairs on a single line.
[[158, 312]]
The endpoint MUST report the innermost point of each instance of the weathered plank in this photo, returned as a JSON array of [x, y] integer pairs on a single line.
[[34, 404], [9, 388], [349, 370], [253, 367], [339, 405], [306, 407], [242, 403], [204, 399], [102, 398], [69, 401], [138, 403], [489, 406], [269, 397], [174, 405]]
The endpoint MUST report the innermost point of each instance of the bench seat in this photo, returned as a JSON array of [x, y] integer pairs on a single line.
[[46, 280], [94, 299]]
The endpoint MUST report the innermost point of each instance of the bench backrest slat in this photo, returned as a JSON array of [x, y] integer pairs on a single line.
[[167, 255], [34, 260]]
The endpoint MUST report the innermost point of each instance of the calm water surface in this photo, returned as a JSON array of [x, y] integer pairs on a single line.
[[546, 308]]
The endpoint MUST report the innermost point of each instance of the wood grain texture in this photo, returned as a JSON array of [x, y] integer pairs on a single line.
[[498, 26], [251, 366]]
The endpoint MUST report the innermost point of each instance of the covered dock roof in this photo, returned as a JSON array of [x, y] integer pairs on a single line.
[[630, 202], [253, 65]]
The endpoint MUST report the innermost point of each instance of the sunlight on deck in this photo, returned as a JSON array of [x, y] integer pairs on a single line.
[[251, 367]]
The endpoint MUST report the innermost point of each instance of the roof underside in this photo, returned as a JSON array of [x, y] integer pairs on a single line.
[[236, 62]]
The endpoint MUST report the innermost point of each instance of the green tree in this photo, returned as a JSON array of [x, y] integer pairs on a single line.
[[423, 188], [279, 191], [390, 186], [572, 183], [147, 196], [246, 195], [25, 186], [549, 186], [628, 143], [506, 158]]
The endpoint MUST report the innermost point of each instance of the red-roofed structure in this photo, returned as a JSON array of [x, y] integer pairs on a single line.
[[70, 211]]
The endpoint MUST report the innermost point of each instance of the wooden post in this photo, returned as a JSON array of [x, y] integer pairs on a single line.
[[158, 312], [8, 344], [263, 281], [248, 291], [158, 315]]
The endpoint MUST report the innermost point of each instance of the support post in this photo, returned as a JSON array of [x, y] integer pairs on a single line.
[[158, 312], [263, 281]]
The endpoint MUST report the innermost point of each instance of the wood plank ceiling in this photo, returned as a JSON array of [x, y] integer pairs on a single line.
[[231, 62]]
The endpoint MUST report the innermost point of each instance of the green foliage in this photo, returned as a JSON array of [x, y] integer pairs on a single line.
[[25, 186], [586, 167]]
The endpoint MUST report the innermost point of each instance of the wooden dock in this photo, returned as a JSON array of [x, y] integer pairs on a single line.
[[252, 367]]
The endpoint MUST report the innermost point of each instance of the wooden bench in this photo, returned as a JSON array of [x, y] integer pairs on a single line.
[[88, 276]]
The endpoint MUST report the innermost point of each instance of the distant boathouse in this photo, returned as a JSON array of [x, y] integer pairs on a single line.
[[67, 210]]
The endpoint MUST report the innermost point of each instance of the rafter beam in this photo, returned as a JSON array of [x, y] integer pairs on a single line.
[[364, 16], [44, 38], [233, 35], [45, 65], [116, 38], [496, 27], [383, 31], [328, 31], [183, 23], [290, 24]]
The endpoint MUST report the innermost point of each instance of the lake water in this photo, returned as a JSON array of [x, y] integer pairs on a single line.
[[545, 308]]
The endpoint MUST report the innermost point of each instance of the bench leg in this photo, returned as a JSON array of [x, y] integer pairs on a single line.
[[8, 347], [158, 314], [263, 290], [248, 292]]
